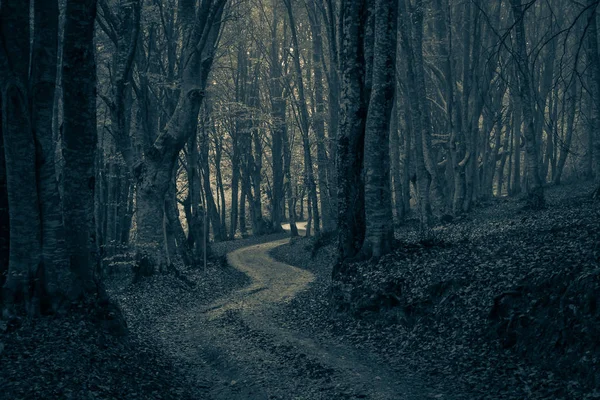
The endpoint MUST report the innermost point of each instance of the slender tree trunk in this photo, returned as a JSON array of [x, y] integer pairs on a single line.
[[516, 127], [258, 223], [242, 206], [174, 227], [235, 179], [220, 187], [396, 170], [278, 106], [566, 145], [326, 201], [287, 184], [213, 213], [304, 122], [505, 155]]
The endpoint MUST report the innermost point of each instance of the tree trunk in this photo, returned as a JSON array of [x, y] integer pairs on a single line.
[[43, 83], [4, 215], [535, 187], [566, 144], [379, 233], [287, 184], [278, 106], [416, 118], [396, 170], [151, 254], [353, 112], [516, 128], [220, 186], [334, 102], [235, 179], [304, 122], [174, 226], [213, 213], [327, 215], [592, 36], [155, 171], [506, 151]]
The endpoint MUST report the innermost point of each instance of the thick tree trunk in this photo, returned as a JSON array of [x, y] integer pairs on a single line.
[[79, 141], [461, 154], [334, 101], [151, 254], [43, 82], [535, 187], [379, 233], [429, 156], [155, 171], [592, 39], [23, 202], [416, 118], [4, 215], [353, 112], [24, 256]]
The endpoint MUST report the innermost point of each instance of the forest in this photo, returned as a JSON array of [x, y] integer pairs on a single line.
[[299, 199]]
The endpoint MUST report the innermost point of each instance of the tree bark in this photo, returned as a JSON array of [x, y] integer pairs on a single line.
[[416, 118], [592, 39], [396, 170], [379, 233], [327, 215], [535, 187], [304, 122], [4, 215], [278, 107], [154, 172], [24, 257], [566, 145], [353, 111]]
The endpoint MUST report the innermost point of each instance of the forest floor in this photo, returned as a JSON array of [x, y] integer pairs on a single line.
[[503, 304], [224, 330]]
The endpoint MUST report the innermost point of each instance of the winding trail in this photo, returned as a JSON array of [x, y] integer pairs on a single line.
[[237, 349], [272, 282]]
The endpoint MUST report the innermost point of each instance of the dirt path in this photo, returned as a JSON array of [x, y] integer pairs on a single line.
[[272, 281], [249, 354]]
